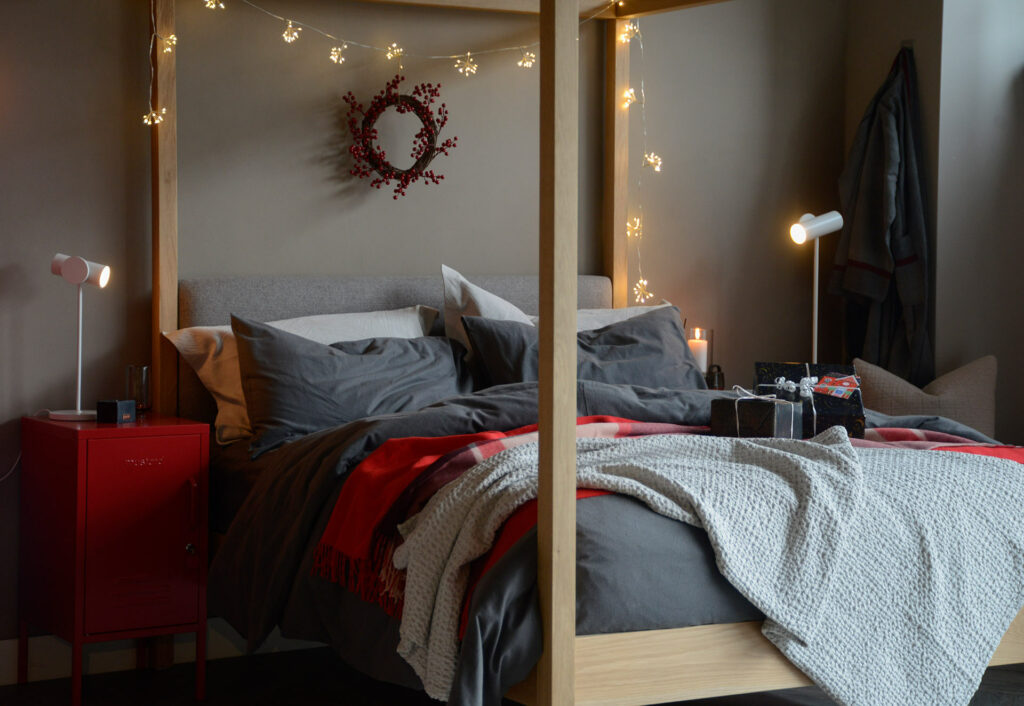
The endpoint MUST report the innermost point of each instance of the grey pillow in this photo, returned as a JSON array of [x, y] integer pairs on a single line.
[[295, 386], [648, 350]]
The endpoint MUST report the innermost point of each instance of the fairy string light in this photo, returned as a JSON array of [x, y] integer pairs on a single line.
[[153, 116], [527, 53], [466, 66], [634, 227], [465, 62], [528, 60]]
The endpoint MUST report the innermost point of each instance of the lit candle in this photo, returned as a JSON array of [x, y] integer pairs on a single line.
[[699, 348]]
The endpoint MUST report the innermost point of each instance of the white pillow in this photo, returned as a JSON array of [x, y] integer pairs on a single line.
[[463, 298], [213, 353]]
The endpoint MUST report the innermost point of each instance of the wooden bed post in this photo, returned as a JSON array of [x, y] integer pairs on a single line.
[[616, 161], [556, 521], [164, 150]]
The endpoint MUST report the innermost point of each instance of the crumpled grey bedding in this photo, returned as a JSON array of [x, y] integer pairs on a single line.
[[261, 576]]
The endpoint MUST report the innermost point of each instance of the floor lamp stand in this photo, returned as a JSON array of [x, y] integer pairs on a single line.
[[814, 308]]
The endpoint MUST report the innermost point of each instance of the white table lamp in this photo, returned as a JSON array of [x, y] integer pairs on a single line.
[[812, 227], [78, 271]]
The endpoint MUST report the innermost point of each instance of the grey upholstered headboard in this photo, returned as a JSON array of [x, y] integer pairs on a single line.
[[211, 301]]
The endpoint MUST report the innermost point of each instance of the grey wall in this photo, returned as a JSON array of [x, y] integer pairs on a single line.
[[74, 179], [264, 182], [981, 197], [745, 106]]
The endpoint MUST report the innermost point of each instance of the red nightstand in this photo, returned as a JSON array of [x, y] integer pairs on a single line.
[[113, 534]]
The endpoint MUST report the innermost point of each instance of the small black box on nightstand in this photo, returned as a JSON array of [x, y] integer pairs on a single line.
[[115, 411]]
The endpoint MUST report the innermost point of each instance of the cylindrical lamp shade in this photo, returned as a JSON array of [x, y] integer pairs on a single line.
[[78, 270], [811, 226]]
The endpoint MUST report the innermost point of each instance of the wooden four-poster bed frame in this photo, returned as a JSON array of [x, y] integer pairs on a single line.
[[653, 666]]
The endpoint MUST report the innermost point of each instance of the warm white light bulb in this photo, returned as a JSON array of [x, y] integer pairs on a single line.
[[170, 41], [291, 32], [104, 276], [653, 161], [213, 4], [629, 31], [641, 292], [798, 233], [528, 60], [466, 66], [634, 228], [628, 97], [153, 117], [338, 54], [394, 51]]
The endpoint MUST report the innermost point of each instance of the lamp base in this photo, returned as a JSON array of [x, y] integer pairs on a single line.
[[72, 415]]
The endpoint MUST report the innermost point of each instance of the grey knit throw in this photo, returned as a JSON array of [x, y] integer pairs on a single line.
[[887, 576]]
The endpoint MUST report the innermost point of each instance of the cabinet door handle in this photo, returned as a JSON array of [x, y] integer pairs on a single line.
[[190, 548], [193, 502]]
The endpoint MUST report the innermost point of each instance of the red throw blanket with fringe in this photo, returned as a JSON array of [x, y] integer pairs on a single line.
[[395, 482]]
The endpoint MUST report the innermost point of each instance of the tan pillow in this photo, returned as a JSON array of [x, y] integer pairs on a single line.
[[967, 394], [213, 354]]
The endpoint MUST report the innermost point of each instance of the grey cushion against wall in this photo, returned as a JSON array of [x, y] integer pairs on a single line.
[[648, 350], [967, 394], [295, 386]]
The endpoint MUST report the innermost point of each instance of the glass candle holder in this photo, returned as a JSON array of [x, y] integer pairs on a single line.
[[701, 342], [136, 386]]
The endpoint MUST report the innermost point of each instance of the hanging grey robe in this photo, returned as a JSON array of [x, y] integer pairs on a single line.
[[882, 261]]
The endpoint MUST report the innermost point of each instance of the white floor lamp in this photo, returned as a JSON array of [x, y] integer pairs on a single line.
[[78, 271], [812, 227]]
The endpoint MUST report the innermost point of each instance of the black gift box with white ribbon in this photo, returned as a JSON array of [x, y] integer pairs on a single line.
[[827, 406], [756, 417]]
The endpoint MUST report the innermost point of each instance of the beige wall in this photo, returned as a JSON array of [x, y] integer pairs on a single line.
[[74, 179], [745, 106], [981, 197], [263, 145]]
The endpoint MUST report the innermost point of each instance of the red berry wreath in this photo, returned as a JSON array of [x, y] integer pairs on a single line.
[[371, 158]]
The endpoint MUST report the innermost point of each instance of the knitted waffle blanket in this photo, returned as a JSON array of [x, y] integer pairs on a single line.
[[887, 575]]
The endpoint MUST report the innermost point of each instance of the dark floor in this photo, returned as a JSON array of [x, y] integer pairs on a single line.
[[317, 678]]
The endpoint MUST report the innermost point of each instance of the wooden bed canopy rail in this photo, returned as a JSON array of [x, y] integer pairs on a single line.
[[624, 668]]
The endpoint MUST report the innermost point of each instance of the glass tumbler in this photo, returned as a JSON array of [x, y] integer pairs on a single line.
[[137, 386]]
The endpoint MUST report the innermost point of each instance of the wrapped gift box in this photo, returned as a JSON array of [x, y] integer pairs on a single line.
[[836, 397], [753, 417]]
